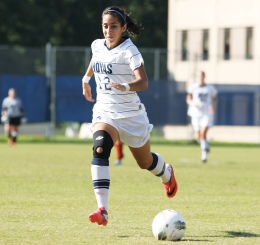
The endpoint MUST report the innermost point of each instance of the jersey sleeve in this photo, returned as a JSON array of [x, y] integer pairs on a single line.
[[190, 89], [93, 44], [133, 57], [214, 92], [4, 106]]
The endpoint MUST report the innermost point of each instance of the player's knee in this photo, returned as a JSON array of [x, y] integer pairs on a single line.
[[103, 144], [99, 150]]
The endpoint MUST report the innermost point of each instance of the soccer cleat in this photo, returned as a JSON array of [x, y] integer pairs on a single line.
[[118, 162], [204, 156], [10, 142], [171, 187], [100, 216]]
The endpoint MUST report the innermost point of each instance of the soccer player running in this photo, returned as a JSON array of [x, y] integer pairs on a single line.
[[202, 99], [119, 72], [12, 111]]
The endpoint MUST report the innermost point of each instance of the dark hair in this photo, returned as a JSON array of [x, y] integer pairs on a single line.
[[132, 28]]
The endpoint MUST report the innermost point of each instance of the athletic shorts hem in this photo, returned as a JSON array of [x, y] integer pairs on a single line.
[[133, 131]]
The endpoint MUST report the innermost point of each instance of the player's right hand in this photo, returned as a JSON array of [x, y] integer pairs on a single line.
[[87, 92]]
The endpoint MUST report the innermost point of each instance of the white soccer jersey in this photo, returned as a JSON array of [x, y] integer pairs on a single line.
[[203, 96], [12, 106], [116, 65]]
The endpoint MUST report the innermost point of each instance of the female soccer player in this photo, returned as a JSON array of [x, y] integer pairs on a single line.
[[202, 99], [12, 111], [119, 72]]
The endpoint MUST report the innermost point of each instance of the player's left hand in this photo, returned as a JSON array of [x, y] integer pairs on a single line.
[[117, 86]]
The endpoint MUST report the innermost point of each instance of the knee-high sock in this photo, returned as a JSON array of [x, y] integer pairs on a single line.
[[204, 144], [159, 169], [101, 182], [15, 135]]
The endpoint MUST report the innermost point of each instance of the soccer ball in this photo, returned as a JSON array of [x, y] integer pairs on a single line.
[[169, 225]]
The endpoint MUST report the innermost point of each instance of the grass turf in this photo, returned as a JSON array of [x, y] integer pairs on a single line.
[[46, 195]]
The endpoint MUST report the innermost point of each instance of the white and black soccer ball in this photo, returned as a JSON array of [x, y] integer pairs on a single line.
[[169, 225]]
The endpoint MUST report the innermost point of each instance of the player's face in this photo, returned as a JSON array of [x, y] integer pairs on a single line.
[[11, 93], [112, 30], [200, 76]]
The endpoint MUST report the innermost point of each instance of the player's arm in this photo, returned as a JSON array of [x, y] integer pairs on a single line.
[[189, 100], [140, 83], [4, 108], [21, 108], [212, 106], [85, 83]]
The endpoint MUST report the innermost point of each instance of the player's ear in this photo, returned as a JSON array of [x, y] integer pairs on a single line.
[[124, 27]]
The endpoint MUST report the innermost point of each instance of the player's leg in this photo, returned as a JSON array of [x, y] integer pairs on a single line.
[[204, 144], [119, 151], [206, 123], [15, 133], [104, 136], [198, 136], [154, 163], [7, 129], [196, 121]]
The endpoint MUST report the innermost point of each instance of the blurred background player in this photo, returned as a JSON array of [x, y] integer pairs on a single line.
[[202, 99], [12, 111], [119, 151]]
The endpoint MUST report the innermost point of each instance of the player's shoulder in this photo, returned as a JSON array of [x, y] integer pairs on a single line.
[[193, 86], [129, 47], [97, 43], [211, 86], [6, 99]]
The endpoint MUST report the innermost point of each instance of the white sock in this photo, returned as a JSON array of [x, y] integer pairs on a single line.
[[207, 145], [204, 155], [159, 169], [204, 144], [101, 182]]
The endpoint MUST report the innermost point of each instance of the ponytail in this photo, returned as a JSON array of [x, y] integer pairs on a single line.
[[132, 28]]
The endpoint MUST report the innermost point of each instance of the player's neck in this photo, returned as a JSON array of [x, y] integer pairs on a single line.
[[111, 46], [202, 83]]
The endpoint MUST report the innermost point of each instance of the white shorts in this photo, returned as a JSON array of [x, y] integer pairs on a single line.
[[133, 131], [202, 122]]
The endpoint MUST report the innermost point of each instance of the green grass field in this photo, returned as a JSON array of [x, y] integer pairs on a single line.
[[46, 195]]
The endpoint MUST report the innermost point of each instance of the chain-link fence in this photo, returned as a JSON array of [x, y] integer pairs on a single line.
[[60, 99]]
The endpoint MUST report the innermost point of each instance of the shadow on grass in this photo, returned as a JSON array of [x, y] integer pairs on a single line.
[[194, 240], [229, 234], [240, 234]]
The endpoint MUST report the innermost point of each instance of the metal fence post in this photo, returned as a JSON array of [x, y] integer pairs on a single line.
[[87, 57], [48, 81], [156, 89], [53, 91], [157, 64]]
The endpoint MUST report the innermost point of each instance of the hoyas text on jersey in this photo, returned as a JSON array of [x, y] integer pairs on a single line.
[[203, 97], [99, 67]]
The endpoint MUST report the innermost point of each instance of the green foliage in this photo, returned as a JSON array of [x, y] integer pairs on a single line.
[[46, 195], [76, 22]]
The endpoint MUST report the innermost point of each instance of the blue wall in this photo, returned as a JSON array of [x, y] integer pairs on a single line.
[[163, 103], [33, 92]]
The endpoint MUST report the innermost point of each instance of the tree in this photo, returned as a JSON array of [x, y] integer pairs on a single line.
[[76, 22]]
